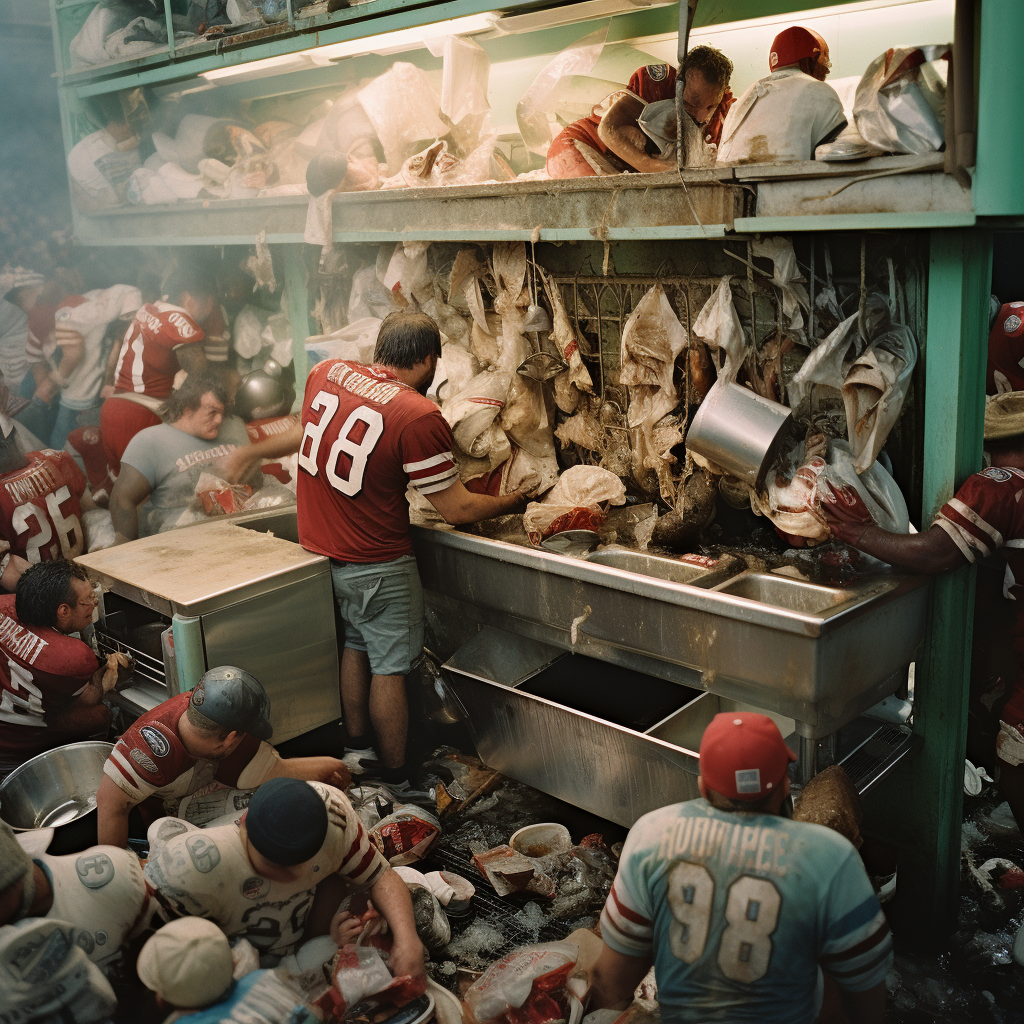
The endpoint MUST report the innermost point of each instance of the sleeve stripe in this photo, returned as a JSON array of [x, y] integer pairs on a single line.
[[627, 913], [621, 941], [434, 460], [862, 947], [972, 517], [357, 846], [965, 541], [443, 475], [867, 914], [115, 761], [367, 860], [863, 972], [442, 485]]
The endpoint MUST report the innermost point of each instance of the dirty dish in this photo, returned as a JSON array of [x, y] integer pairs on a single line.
[[541, 839], [571, 542]]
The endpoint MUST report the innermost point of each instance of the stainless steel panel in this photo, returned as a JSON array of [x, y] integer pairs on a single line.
[[497, 656], [785, 592], [686, 727], [820, 668], [658, 566], [287, 640]]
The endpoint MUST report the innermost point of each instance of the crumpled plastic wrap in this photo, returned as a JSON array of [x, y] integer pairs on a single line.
[[793, 493], [355, 342], [718, 326], [530, 474], [369, 298], [786, 275], [472, 414], [873, 375], [575, 381], [900, 104], [580, 489], [652, 340], [526, 986]]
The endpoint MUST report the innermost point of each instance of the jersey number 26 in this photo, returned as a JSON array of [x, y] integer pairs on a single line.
[[358, 451], [69, 529]]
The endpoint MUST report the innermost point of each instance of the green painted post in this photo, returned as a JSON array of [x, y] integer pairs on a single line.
[[919, 807], [297, 308]]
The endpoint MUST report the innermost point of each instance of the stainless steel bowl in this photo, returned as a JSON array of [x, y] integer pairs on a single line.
[[739, 431], [54, 788]]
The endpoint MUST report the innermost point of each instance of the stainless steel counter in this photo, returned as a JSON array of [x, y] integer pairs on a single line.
[[816, 654]]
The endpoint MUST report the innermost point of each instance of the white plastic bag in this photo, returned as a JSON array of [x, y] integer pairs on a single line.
[[472, 415], [247, 336], [576, 380], [406, 835], [408, 272], [464, 82], [652, 340], [574, 503], [718, 326], [369, 298], [509, 983], [786, 275], [873, 376], [355, 342], [901, 99]]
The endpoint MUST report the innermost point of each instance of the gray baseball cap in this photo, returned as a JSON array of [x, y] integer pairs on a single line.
[[235, 699]]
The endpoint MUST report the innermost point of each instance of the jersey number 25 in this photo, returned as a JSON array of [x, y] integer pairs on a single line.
[[358, 451], [751, 915]]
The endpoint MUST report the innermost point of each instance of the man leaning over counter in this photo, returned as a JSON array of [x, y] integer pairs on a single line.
[[217, 732], [367, 434]]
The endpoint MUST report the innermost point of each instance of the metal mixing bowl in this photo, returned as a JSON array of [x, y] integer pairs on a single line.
[[54, 788]]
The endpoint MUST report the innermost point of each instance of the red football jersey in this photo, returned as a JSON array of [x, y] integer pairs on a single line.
[[260, 430], [40, 669], [367, 437], [147, 363], [87, 445], [1006, 351], [653, 82], [150, 755], [40, 516]]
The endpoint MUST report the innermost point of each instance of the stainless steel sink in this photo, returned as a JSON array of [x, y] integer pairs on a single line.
[[785, 592], [661, 567]]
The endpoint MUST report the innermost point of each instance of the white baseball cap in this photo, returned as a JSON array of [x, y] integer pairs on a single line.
[[187, 963]]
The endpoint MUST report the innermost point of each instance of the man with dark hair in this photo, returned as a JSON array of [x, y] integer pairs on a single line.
[[783, 118], [367, 434], [217, 732], [611, 139], [51, 683], [163, 463], [740, 909], [163, 338]]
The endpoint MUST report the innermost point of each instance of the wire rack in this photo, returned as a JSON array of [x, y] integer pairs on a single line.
[[147, 667]]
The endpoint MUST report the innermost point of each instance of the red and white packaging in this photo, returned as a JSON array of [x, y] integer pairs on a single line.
[[406, 835], [527, 986]]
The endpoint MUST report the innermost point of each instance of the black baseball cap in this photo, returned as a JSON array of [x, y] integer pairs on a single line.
[[286, 821]]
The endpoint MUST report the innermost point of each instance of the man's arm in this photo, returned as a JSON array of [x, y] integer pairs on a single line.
[[191, 358], [110, 370], [112, 807], [614, 978], [391, 897], [72, 348], [237, 464], [312, 769], [849, 521], [457, 505], [130, 491], [16, 565], [620, 132]]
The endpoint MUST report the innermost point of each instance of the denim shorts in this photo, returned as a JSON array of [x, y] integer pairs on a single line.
[[381, 606]]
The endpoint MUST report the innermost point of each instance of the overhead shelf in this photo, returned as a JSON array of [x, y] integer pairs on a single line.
[[888, 192]]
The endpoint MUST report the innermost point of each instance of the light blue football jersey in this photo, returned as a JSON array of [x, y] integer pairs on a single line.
[[738, 911]]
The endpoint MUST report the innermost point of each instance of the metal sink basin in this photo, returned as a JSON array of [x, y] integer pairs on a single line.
[[661, 567], [785, 592]]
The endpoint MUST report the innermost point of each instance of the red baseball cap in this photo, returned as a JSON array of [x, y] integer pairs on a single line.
[[743, 755], [794, 44]]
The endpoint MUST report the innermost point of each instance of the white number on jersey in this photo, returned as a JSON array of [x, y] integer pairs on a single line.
[[23, 710], [752, 913], [69, 529], [359, 451]]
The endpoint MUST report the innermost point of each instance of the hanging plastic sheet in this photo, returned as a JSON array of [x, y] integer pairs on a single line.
[[718, 326]]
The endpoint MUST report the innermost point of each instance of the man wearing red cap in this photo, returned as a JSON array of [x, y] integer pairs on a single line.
[[739, 908], [784, 117]]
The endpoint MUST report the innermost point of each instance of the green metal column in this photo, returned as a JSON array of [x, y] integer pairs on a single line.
[[920, 806], [297, 308], [998, 181]]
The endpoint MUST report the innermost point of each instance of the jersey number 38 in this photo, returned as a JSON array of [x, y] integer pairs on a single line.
[[751, 916], [350, 483]]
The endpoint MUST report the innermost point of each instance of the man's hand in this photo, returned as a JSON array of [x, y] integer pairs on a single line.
[[846, 514], [346, 927], [117, 668], [329, 770], [46, 390], [406, 960], [238, 464]]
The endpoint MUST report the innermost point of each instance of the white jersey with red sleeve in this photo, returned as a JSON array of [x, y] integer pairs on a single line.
[[41, 669], [40, 514], [987, 513], [367, 437], [150, 760], [147, 363]]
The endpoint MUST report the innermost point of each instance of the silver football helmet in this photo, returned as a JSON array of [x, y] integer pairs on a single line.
[[263, 394]]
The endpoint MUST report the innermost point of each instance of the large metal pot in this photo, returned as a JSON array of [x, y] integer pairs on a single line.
[[57, 789], [739, 431]]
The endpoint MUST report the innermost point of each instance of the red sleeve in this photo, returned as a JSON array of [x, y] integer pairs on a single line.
[[985, 513], [71, 473], [150, 752], [653, 82], [232, 766], [426, 449]]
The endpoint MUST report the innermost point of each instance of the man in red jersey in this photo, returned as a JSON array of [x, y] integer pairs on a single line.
[[51, 683], [367, 434], [163, 338], [214, 733]]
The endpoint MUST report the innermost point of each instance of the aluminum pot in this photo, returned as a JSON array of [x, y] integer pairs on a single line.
[[57, 789], [739, 431]]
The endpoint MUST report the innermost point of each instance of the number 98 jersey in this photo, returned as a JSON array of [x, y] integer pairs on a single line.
[[366, 438], [40, 514], [738, 910]]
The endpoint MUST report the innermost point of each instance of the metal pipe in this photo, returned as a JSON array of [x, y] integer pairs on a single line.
[[189, 652], [169, 19], [684, 46]]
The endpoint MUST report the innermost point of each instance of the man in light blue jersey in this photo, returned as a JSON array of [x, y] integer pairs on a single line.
[[741, 909]]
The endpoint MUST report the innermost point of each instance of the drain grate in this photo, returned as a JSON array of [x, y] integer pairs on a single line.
[[879, 752]]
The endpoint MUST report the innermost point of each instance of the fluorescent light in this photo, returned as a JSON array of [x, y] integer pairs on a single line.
[[255, 66], [590, 10], [404, 39]]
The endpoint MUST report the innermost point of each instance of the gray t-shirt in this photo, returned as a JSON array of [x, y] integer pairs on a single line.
[[172, 461]]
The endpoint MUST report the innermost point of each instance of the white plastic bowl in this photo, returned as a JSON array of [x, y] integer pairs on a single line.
[[541, 839]]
